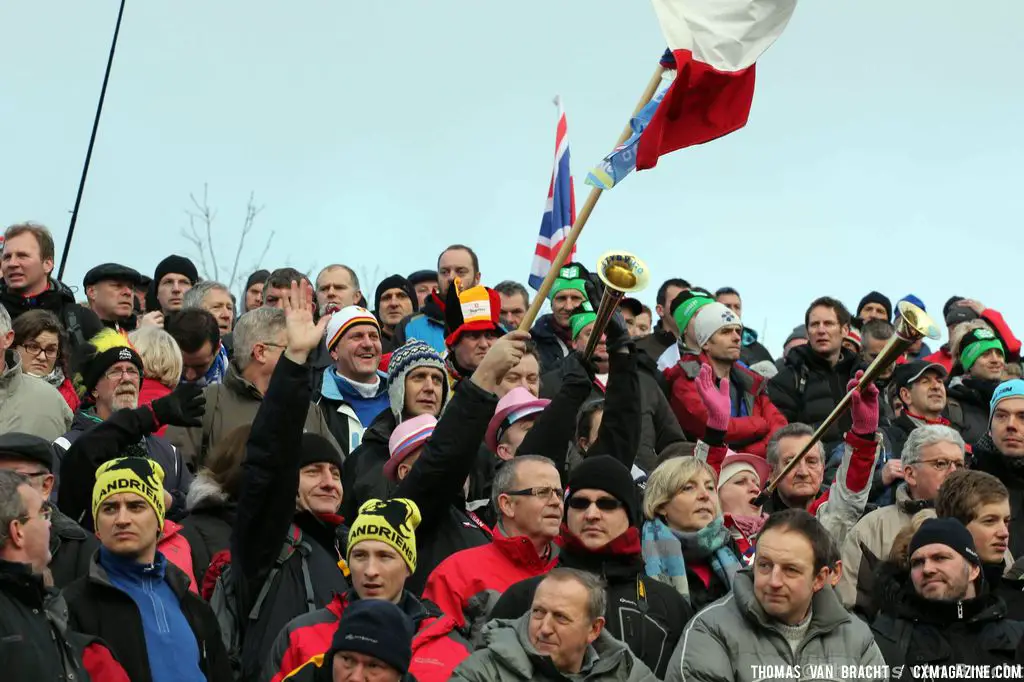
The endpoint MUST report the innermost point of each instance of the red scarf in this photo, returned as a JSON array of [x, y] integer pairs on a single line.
[[627, 544]]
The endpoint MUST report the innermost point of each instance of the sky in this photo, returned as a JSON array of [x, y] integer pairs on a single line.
[[883, 151]]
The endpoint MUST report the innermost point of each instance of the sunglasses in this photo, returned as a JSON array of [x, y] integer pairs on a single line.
[[605, 504]]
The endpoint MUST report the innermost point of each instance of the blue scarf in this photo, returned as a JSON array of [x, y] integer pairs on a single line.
[[667, 550], [215, 375]]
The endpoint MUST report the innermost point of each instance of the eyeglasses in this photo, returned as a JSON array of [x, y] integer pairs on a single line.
[[36, 474], [45, 513], [606, 504], [33, 349], [542, 492], [115, 374], [943, 464]]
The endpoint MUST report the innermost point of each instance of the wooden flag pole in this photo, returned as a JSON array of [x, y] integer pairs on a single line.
[[584, 214]]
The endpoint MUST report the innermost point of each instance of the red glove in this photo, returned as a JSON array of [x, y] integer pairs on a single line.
[[716, 398], [865, 407]]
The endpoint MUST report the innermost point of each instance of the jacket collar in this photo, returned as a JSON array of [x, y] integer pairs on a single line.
[[620, 559], [19, 580], [827, 612], [520, 550], [173, 575], [337, 387], [908, 505], [236, 383]]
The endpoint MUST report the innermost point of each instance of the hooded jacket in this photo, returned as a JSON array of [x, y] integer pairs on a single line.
[[869, 542], [80, 323], [98, 608], [647, 615], [734, 637], [437, 647], [346, 411], [919, 632], [30, 405], [967, 405], [467, 584], [265, 513], [229, 405], [125, 431], [551, 346], [363, 473], [1009, 470], [435, 482], [211, 514], [509, 656], [755, 418], [807, 388], [71, 549], [33, 630], [427, 325]]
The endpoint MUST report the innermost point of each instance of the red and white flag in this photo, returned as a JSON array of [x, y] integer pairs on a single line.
[[715, 44]]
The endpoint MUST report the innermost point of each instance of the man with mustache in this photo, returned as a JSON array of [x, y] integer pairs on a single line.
[[946, 618], [527, 493], [354, 391], [932, 452], [981, 502], [601, 535], [111, 373]]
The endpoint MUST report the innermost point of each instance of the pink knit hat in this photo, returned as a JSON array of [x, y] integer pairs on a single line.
[[407, 437], [516, 404]]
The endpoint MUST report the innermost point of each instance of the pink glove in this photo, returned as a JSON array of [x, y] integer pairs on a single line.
[[865, 407], [716, 398]]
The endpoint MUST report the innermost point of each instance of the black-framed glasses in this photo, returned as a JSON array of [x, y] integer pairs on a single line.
[[605, 504], [542, 492], [34, 349]]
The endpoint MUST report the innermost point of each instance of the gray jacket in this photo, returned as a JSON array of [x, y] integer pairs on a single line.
[[734, 640], [509, 657], [30, 405]]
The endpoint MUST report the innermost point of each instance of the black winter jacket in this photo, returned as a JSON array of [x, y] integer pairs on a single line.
[[97, 608], [808, 388], [1009, 470], [265, 513], [967, 401], [921, 632], [1010, 590], [33, 624], [71, 549], [80, 323], [647, 615], [90, 444], [435, 482], [551, 347], [208, 524], [363, 473]]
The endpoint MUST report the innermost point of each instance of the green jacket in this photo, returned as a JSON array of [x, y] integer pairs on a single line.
[[734, 640], [509, 657]]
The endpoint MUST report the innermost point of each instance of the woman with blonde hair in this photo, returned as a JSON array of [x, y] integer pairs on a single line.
[[161, 359], [685, 541]]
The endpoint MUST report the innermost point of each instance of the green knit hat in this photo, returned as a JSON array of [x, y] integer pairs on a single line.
[[975, 344], [689, 302], [581, 317], [571, 276]]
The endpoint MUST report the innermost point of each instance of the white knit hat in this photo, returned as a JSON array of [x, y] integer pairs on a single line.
[[345, 319], [710, 319]]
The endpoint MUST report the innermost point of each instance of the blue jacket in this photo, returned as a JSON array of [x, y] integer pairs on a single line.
[[346, 411], [427, 325]]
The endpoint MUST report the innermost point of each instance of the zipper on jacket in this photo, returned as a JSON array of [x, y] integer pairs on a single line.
[[960, 610]]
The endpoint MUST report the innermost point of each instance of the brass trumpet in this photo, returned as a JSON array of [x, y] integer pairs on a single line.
[[622, 273], [912, 325]]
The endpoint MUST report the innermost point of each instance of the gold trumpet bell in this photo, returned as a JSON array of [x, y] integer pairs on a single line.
[[623, 272], [914, 324]]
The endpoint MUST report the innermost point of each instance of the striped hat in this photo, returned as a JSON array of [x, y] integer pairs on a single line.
[[405, 359], [345, 319], [407, 437], [475, 309]]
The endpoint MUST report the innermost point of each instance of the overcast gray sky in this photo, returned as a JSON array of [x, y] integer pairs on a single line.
[[883, 150]]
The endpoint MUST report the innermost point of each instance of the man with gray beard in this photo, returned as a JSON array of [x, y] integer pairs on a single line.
[[110, 375]]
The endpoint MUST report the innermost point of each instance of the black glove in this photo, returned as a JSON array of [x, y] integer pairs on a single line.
[[183, 407], [617, 333], [595, 290]]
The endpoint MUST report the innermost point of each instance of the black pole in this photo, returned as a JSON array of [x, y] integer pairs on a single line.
[[92, 141]]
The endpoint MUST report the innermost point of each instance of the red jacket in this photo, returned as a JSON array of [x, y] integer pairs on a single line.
[[944, 357], [67, 391], [467, 584], [745, 434], [173, 545], [437, 648], [152, 390]]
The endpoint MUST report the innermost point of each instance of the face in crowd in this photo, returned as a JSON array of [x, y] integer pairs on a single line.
[[170, 291], [802, 484], [825, 333], [785, 577]]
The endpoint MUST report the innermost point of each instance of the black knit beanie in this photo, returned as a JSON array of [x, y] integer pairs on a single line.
[[317, 449], [949, 532], [392, 282], [258, 277], [177, 264], [376, 628], [604, 472], [875, 297]]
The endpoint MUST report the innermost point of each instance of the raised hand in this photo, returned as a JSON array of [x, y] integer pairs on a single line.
[[716, 398], [865, 406], [502, 356], [304, 334], [152, 319]]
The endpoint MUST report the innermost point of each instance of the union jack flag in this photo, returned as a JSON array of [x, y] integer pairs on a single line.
[[560, 209]]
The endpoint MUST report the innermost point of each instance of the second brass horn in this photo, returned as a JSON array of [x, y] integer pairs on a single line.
[[912, 325], [622, 273]]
